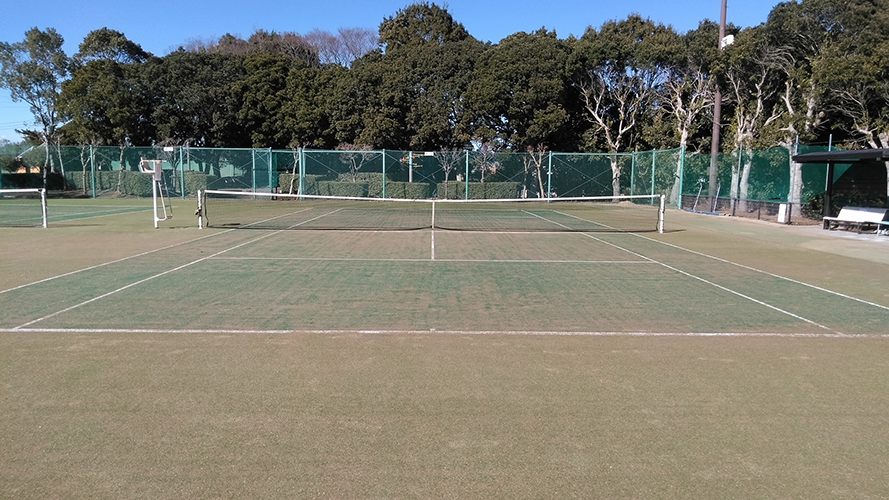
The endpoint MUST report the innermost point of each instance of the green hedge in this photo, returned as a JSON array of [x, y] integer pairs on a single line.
[[371, 185], [479, 190], [195, 181], [54, 181]]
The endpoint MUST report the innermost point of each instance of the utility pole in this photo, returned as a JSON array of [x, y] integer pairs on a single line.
[[717, 118]]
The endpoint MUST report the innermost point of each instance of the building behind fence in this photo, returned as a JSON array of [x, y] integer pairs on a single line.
[[750, 183]]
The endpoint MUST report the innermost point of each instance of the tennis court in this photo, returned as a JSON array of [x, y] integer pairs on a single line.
[[719, 357]]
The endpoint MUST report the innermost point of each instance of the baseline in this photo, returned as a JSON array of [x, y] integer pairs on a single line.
[[529, 333]]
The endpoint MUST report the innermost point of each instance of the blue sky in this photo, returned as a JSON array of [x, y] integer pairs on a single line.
[[160, 26]]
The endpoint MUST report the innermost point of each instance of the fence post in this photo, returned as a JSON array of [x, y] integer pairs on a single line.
[[466, 175], [93, 168], [302, 170], [633, 173], [181, 173], [384, 174], [681, 173], [653, 166], [549, 176]]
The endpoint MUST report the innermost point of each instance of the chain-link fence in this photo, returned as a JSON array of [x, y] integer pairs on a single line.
[[749, 183]]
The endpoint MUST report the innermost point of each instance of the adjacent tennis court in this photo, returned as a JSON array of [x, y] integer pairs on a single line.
[[363, 358]]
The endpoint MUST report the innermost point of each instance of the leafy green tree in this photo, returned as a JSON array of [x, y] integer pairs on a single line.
[[33, 71], [195, 100], [109, 45], [106, 97], [409, 94], [519, 97], [306, 116], [796, 38], [754, 79], [852, 71], [262, 95]]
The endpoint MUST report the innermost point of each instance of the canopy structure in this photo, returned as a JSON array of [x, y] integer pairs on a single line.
[[833, 157]]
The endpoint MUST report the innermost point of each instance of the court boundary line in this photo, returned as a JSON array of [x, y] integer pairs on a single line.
[[529, 333], [459, 261], [708, 282], [164, 273], [116, 261], [777, 276]]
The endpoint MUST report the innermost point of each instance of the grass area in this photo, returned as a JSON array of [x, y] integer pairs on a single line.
[[723, 358], [350, 415]]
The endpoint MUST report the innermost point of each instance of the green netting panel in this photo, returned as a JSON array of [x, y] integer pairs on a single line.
[[590, 174], [657, 172], [285, 165]]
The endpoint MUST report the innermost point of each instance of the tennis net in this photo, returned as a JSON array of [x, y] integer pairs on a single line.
[[23, 207], [248, 210]]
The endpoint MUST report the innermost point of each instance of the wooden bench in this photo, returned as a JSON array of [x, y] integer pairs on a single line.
[[859, 217]]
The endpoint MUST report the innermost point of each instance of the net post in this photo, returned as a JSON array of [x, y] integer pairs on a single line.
[[660, 214], [43, 205], [432, 225], [200, 211]]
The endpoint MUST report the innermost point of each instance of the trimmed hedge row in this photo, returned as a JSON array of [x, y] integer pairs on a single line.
[[456, 190], [371, 185], [54, 181], [131, 183]]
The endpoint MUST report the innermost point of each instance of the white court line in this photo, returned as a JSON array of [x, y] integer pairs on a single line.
[[164, 273], [791, 280], [723, 288], [90, 268], [158, 275], [529, 333], [465, 261]]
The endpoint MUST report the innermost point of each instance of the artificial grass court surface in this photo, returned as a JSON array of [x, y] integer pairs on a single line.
[[135, 374]]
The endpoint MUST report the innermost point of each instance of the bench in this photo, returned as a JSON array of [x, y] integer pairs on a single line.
[[859, 217]]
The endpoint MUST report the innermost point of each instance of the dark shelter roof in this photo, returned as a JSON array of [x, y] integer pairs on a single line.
[[844, 156]]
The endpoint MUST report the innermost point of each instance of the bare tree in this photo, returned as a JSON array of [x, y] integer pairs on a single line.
[[484, 160], [752, 93], [449, 160], [355, 157], [686, 97], [533, 162], [343, 48]]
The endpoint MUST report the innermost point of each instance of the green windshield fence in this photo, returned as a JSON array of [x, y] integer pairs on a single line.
[[744, 177]]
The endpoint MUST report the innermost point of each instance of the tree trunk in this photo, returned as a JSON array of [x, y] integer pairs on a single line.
[[794, 197], [744, 186], [675, 195], [615, 176]]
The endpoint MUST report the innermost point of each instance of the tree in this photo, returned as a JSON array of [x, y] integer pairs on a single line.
[[688, 93], [409, 94], [195, 100], [355, 157], [519, 96], [344, 47], [449, 160], [109, 45], [33, 71], [618, 72], [797, 39], [852, 73], [753, 79], [106, 97], [262, 95]]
